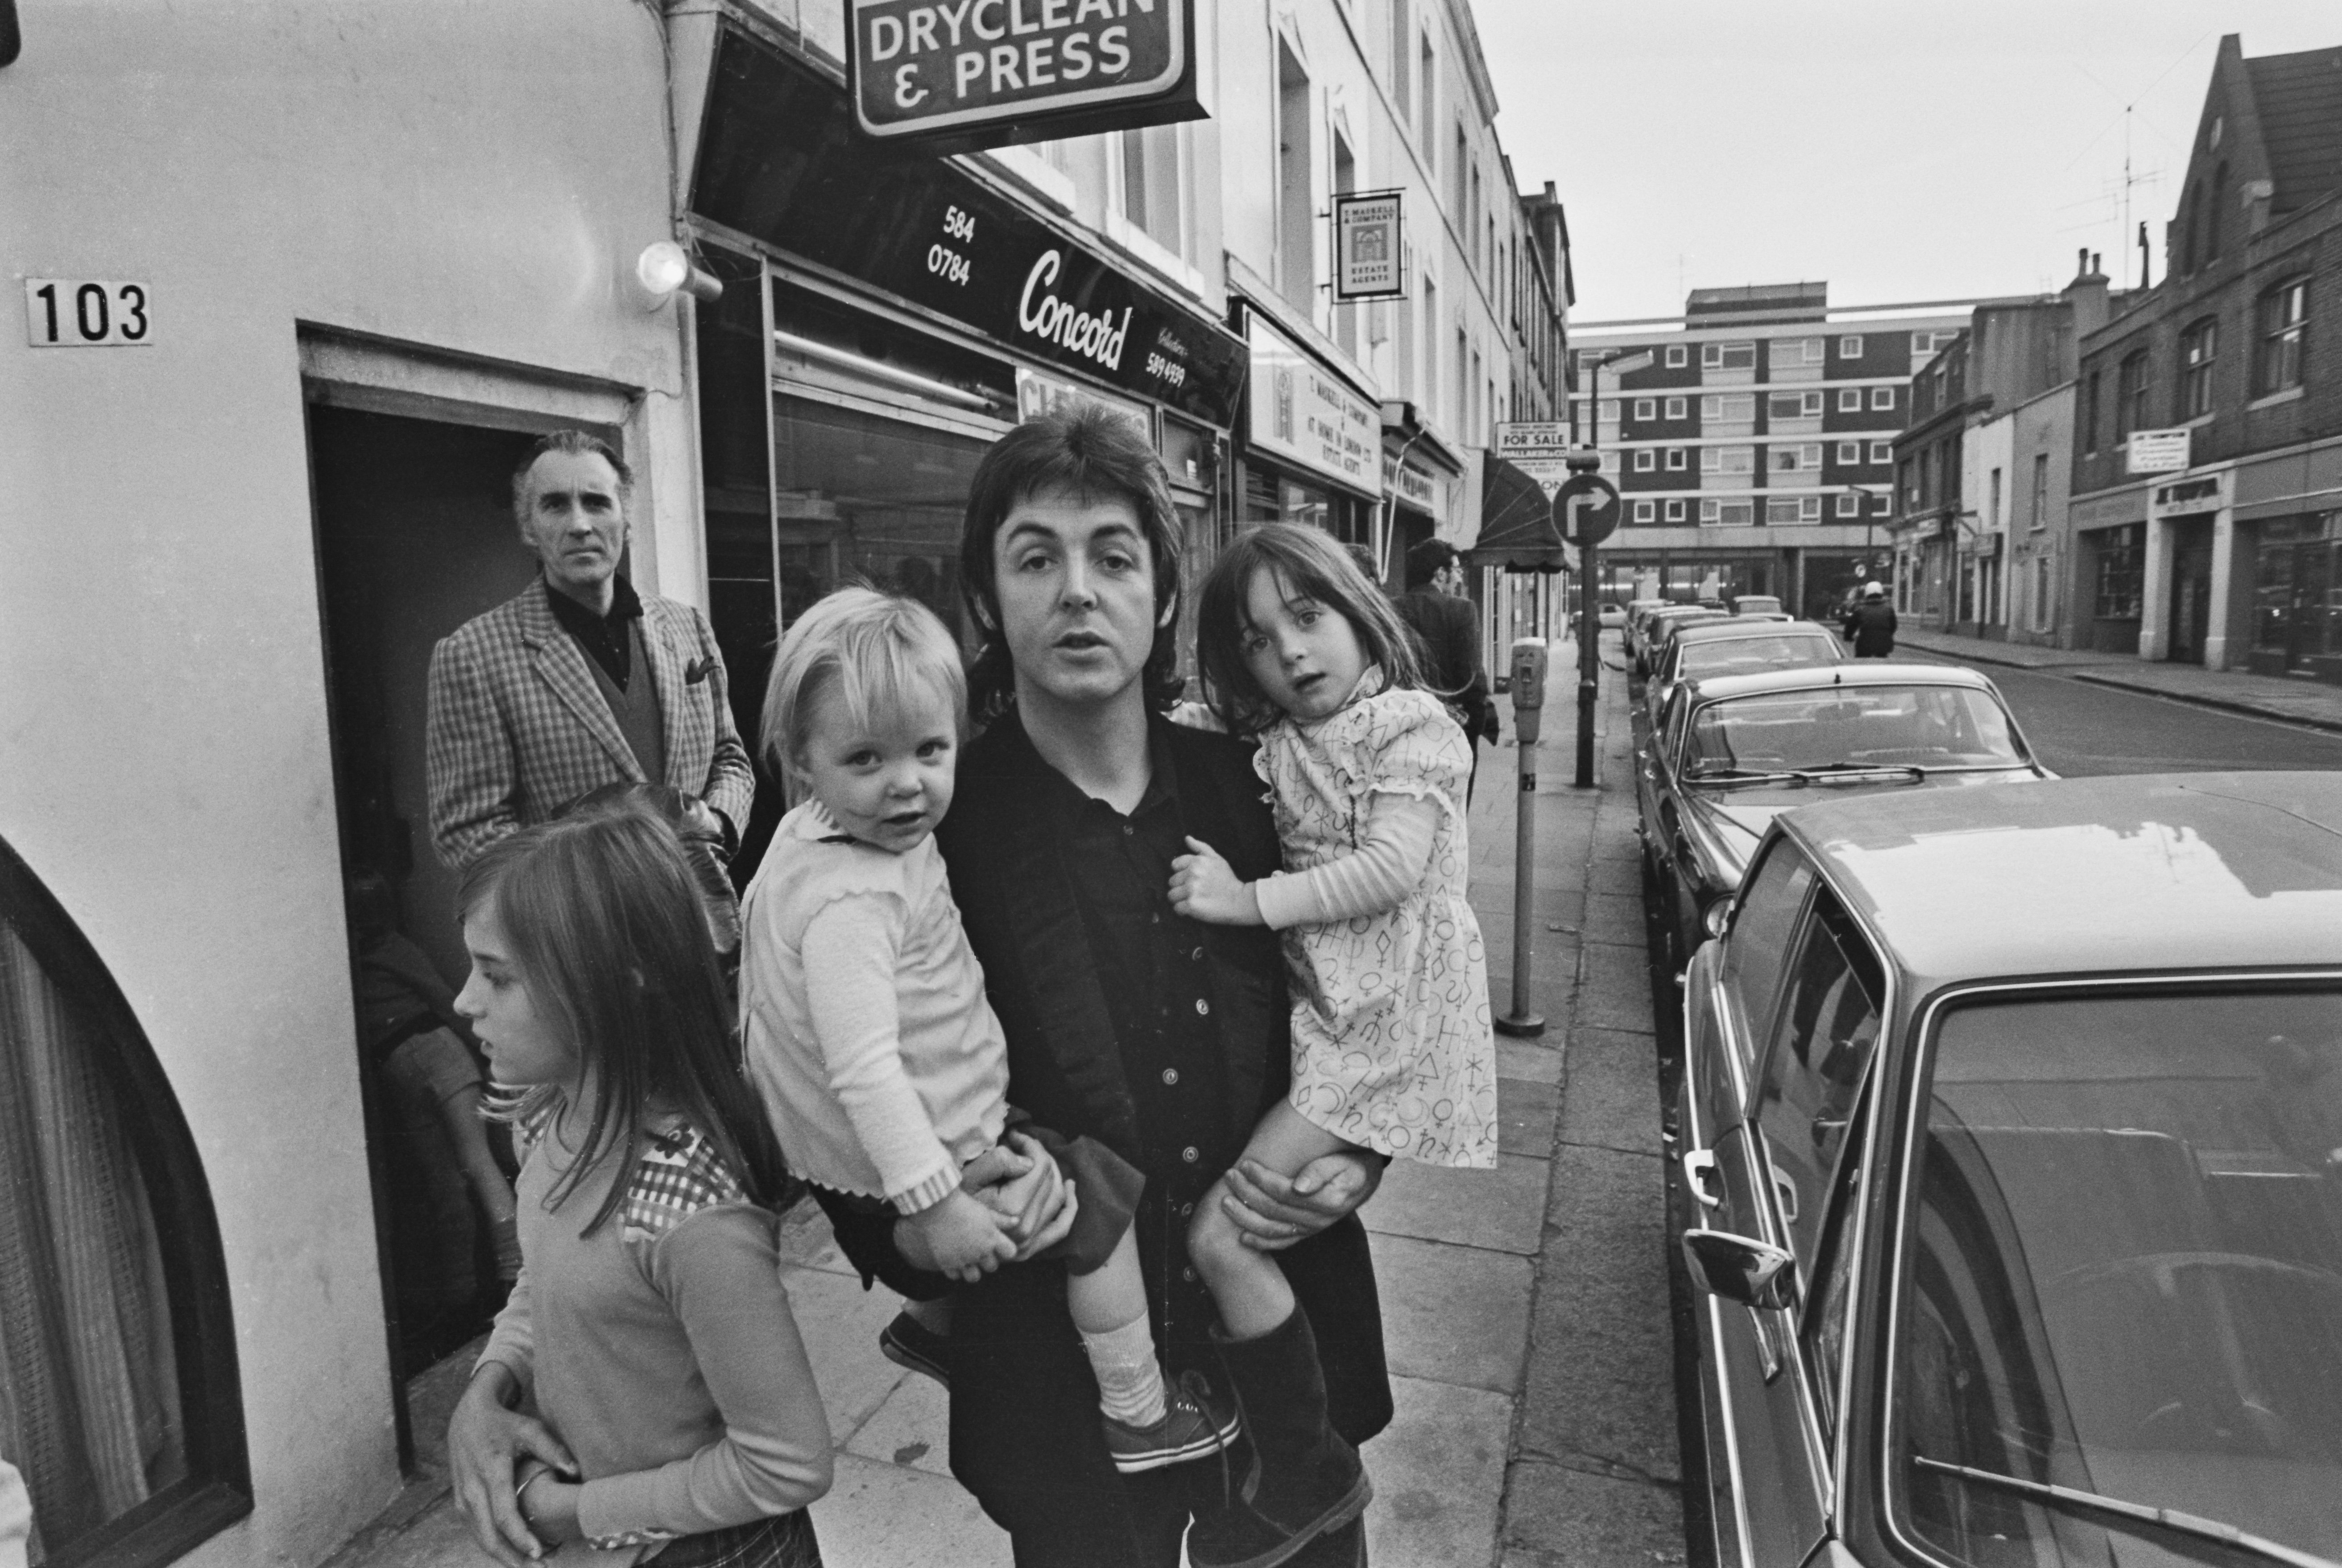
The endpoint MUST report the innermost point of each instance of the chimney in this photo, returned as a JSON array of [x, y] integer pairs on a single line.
[[2088, 295]]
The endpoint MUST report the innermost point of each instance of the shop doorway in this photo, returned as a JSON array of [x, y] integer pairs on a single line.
[[2191, 591], [414, 535]]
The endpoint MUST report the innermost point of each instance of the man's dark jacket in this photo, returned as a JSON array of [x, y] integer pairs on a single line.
[[1448, 640], [1025, 1435], [1870, 627]]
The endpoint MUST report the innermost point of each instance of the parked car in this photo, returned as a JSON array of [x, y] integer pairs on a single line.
[[2009, 1181], [1756, 605], [1655, 628], [1612, 616], [1731, 753], [1743, 645]]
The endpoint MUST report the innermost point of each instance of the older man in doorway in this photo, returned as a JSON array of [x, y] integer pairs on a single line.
[[1447, 627], [579, 681]]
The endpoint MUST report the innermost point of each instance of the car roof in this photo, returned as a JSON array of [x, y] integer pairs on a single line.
[[1750, 627], [2156, 871], [1860, 673]]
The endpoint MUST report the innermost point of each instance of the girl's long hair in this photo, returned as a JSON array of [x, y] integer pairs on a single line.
[[603, 921], [1309, 565]]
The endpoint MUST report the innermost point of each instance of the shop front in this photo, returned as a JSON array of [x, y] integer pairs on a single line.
[[1689, 576], [1421, 490], [892, 316], [1311, 441], [2108, 590], [1977, 572], [2288, 531]]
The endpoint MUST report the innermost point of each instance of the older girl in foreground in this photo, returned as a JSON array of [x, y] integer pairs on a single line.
[[1391, 1044], [649, 1327]]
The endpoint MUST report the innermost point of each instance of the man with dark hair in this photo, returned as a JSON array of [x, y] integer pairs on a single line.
[[1447, 627], [578, 681], [1869, 623], [1163, 1038]]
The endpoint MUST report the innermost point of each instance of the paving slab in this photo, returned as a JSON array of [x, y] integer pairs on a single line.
[[840, 1323], [1439, 1476], [1539, 1060], [1613, 988], [1528, 1112], [1614, 1094], [912, 1428], [1561, 1518], [904, 1518], [1615, 918], [1453, 1314], [1502, 1210]]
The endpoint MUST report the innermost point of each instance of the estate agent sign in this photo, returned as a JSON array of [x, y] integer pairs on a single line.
[[1368, 246], [980, 73], [2156, 451]]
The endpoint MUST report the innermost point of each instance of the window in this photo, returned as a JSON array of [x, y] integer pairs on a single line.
[[1792, 405], [1821, 1049], [1296, 206], [2131, 389], [1345, 180], [1679, 356], [1727, 460], [1849, 400], [2212, 214], [1928, 342], [1398, 48], [120, 1357], [1728, 356], [1793, 509], [1728, 513], [1785, 351], [1644, 512], [1427, 94], [1674, 511], [1849, 504], [1730, 408], [1676, 459], [1993, 517], [1850, 347], [2038, 516], [1788, 457], [1849, 452], [2122, 567], [1151, 184], [1609, 406], [2198, 345], [1677, 407], [2091, 387], [1458, 198], [2280, 318], [1647, 408], [1645, 459], [1882, 397], [1882, 452], [1881, 504]]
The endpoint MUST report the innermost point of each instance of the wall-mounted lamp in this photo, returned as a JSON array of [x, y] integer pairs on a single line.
[[663, 268]]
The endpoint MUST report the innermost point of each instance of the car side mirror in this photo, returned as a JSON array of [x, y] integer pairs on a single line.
[[1718, 916], [1737, 1268]]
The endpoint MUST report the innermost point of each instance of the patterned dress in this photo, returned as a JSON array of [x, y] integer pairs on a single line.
[[1391, 1043]]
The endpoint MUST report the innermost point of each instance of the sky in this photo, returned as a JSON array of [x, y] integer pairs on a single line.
[[1901, 150]]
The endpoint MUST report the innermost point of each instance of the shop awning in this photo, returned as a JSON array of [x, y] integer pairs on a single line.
[[1517, 527]]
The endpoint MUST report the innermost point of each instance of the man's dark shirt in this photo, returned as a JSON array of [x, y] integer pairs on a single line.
[[604, 638], [1870, 627], [1448, 640]]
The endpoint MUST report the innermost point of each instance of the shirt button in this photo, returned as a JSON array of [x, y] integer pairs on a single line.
[[1127, 830], [1186, 1209], [1198, 956], [1188, 1274], [1170, 1074], [1191, 1154], [1202, 1005]]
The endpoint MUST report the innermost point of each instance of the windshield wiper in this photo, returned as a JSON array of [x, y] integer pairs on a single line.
[[2169, 1519], [1827, 770], [1735, 775]]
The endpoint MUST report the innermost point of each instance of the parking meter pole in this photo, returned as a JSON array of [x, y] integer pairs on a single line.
[[1589, 662], [1529, 677]]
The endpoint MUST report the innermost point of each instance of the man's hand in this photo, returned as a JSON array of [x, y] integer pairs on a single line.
[[485, 1440], [1036, 1203], [1204, 887], [963, 1237], [1273, 1212]]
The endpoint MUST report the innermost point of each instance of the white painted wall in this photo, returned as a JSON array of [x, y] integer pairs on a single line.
[[472, 176]]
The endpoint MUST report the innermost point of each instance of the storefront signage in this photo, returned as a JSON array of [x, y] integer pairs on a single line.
[[1038, 393], [68, 313], [1413, 486], [1539, 448], [1301, 411], [781, 161], [1369, 260], [920, 67], [2155, 451], [2204, 493]]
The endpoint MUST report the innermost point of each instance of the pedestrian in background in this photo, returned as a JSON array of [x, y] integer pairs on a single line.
[[1869, 623], [1447, 627], [650, 1333]]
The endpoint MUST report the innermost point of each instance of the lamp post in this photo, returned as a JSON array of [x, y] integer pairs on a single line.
[[1589, 625]]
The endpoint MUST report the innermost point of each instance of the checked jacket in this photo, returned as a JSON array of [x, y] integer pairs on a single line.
[[519, 728]]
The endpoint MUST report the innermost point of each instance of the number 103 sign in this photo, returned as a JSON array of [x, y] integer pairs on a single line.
[[68, 313]]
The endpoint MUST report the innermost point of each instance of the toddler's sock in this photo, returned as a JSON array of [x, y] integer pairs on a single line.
[[1129, 1379]]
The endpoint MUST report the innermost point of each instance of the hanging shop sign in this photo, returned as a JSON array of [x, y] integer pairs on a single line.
[[1369, 246], [2155, 451], [984, 73], [780, 161], [1300, 411]]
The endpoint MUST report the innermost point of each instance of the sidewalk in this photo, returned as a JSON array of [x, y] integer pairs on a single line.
[[2310, 703], [1525, 1308]]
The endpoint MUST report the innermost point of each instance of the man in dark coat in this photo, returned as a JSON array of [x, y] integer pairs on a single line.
[[1163, 1038], [1869, 625], [1447, 627]]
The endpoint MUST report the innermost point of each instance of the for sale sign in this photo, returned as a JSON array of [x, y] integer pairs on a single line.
[[921, 68]]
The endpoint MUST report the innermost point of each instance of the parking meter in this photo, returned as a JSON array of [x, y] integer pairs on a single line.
[[1528, 688]]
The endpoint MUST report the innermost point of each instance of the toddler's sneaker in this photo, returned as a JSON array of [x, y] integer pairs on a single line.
[[1193, 1425], [909, 1343]]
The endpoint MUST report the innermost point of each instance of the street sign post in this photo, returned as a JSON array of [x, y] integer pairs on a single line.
[[1585, 509]]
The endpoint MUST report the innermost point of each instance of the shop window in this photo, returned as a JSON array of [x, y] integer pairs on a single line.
[[118, 1390], [2121, 574], [2281, 318], [2132, 387], [2198, 345]]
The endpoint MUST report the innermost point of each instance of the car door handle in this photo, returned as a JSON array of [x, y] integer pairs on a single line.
[[1698, 1166]]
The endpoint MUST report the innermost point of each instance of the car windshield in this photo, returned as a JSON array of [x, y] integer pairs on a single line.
[[1879, 727], [2123, 1275], [1746, 656]]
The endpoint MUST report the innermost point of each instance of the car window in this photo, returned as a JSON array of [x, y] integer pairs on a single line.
[[1822, 1335], [1742, 655], [1758, 942], [1827, 1029], [1886, 726]]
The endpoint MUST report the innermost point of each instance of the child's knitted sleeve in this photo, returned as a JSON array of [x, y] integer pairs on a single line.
[[1372, 879], [849, 948]]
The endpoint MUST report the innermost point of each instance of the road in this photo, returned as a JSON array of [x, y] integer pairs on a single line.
[[2081, 730]]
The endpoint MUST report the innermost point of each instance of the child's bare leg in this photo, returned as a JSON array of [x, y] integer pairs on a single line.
[[1249, 1286], [1109, 1307]]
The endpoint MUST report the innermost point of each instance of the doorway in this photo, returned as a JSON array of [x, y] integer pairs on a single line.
[[414, 535], [2191, 591]]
